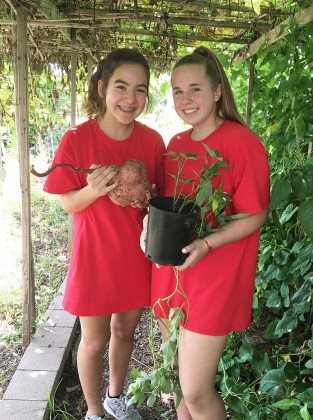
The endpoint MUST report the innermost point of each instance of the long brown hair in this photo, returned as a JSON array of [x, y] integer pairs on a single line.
[[95, 105], [226, 105]]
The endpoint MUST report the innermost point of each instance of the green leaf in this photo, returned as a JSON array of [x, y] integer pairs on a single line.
[[303, 293], [284, 290], [288, 322], [288, 213], [305, 414], [260, 362], [245, 352], [169, 350], [273, 272], [309, 364], [188, 155], [272, 381], [213, 153], [273, 301], [271, 330], [286, 404], [305, 214], [151, 400], [291, 371], [299, 187], [292, 415], [280, 194], [306, 397]]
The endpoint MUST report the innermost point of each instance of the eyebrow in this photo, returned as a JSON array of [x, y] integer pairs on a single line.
[[125, 83], [190, 85]]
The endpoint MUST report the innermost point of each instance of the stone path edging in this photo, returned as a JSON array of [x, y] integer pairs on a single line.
[[40, 369]]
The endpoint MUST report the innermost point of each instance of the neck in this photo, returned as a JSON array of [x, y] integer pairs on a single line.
[[200, 133], [114, 129]]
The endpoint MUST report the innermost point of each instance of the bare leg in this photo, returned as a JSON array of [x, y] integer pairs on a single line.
[[199, 356], [123, 327], [95, 335], [182, 410]]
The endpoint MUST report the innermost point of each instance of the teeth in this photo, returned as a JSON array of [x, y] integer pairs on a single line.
[[189, 111], [124, 108]]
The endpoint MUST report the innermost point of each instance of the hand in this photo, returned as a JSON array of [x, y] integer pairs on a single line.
[[143, 236], [101, 180], [149, 194], [196, 250]]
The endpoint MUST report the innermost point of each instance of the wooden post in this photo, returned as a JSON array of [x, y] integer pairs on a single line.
[[250, 91], [23, 143], [89, 67], [73, 120], [73, 77]]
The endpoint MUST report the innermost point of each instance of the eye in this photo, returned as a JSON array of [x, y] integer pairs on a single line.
[[177, 92], [196, 89], [121, 87], [142, 90]]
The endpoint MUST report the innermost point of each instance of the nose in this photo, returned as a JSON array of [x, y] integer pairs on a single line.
[[186, 97], [130, 96]]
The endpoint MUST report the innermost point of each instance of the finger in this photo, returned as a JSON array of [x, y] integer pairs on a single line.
[[105, 176], [186, 249], [155, 191], [148, 195], [145, 221]]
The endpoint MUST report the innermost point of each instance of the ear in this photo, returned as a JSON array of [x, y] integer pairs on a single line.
[[218, 92], [101, 89]]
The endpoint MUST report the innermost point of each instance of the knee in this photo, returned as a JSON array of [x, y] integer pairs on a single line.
[[93, 347], [122, 333], [199, 398], [191, 397]]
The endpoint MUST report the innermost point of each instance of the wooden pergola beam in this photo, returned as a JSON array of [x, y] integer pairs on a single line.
[[177, 19], [208, 4], [229, 23], [183, 36], [159, 35], [301, 18]]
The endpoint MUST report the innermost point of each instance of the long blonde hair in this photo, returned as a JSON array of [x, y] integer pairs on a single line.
[[226, 105]]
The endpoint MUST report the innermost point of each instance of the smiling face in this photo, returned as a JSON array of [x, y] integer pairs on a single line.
[[194, 96], [126, 93]]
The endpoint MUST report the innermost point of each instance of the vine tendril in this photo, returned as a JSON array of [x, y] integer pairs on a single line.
[[41, 174]]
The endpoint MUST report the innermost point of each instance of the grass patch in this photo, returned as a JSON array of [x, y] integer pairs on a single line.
[[50, 239], [49, 231]]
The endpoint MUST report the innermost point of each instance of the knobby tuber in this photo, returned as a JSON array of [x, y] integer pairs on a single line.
[[133, 181]]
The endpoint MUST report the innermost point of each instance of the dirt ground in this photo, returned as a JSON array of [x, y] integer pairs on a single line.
[[70, 391]]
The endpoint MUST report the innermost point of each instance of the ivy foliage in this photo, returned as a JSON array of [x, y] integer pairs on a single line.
[[268, 372]]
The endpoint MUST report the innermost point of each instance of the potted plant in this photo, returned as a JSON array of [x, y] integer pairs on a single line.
[[175, 221]]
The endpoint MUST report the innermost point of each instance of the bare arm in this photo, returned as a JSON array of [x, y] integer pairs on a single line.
[[98, 181], [231, 232]]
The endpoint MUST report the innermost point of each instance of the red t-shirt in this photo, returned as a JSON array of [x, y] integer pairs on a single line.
[[219, 287], [108, 271]]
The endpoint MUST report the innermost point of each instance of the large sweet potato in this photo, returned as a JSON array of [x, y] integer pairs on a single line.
[[133, 183]]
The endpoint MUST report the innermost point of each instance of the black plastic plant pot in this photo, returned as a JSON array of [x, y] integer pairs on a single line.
[[170, 228]]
